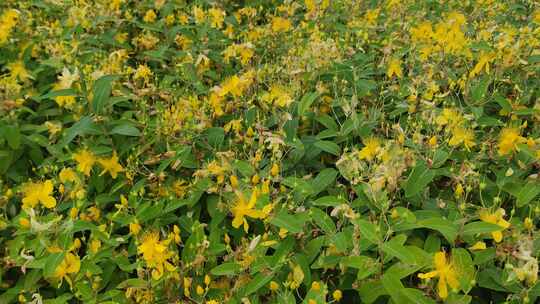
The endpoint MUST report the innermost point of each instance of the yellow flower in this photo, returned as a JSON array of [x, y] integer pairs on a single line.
[[243, 208], [217, 17], [67, 175], [155, 254], [198, 14], [463, 136], [73, 212], [432, 141], [458, 192], [277, 95], [495, 218], [255, 179], [536, 16], [528, 223], [199, 290], [275, 170], [280, 24], [114, 5], [150, 16], [7, 22], [134, 228], [18, 70], [337, 295], [483, 62], [70, 265], [394, 68], [372, 146], [85, 160], [143, 72], [35, 193], [111, 165], [265, 187], [446, 273], [448, 116], [65, 81], [508, 140], [234, 181], [24, 222], [282, 232], [53, 128], [176, 235], [478, 246], [274, 286], [95, 245]]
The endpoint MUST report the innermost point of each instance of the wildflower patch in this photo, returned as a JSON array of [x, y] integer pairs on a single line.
[[309, 151]]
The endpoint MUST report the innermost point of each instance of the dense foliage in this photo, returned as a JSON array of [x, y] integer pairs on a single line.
[[313, 151]]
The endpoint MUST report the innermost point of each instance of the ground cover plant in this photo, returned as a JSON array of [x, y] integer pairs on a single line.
[[313, 151]]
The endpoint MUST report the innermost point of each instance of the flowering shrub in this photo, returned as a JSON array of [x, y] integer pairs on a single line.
[[309, 151]]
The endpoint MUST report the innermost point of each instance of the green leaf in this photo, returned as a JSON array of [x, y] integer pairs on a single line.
[[342, 240], [454, 298], [137, 283], [57, 93], [6, 158], [416, 296], [393, 286], [464, 266], [293, 223], [328, 122], [323, 220], [357, 262], [229, 268], [368, 231], [371, 290], [101, 92], [474, 228], [63, 299], [51, 263], [418, 180], [479, 89], [432, 243], [305, 102], [366, 266], [527, 193], [257, 282], [323, 180], [191, 248], [13, 136], [304, 264], [328, 146], [126, 129], [299, 185], [215, 136], [84, 126], [281, 252], [329, 201], [403, 270], [149, 211], [399, 251], [31, 279], [290, 127], [444, 226], [440, 157]]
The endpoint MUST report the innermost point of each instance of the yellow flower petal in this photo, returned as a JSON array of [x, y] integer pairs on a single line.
[[428, 275], [478, 246], [442, 289], [497, 236]]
